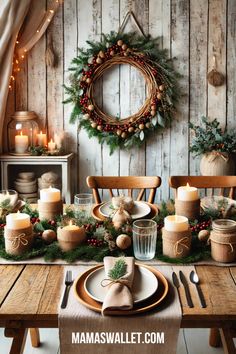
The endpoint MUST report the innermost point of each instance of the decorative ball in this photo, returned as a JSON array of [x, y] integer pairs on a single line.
[[49, 236], [94, 125], [124, 46], [153, 107], [215, 78], [131, 129], [126, 53], [101, 54], [153, 113], [99, 60], [88, 80], [123, 241], [161, 87], [203, 235], [118, 132], [86, 116], [159, 96], [120, 42], [132, 120], [124, 135], [112, 53], [91, 107], [141, 126], [147, 125], [99, 127]]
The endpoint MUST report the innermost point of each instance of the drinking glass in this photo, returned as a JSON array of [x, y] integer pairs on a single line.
[[83, 205], [144, 239]]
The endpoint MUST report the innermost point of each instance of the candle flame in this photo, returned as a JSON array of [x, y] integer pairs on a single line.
[[21, 133], [188, 185], [41, 132], [70, 223]]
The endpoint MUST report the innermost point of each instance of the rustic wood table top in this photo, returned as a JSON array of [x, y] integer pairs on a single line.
[[30, 294]]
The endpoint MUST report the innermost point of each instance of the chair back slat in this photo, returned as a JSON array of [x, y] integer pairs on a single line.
[[129, 183]]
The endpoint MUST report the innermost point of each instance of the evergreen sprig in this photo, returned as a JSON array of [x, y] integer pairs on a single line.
[[209, 136], [118, 270]]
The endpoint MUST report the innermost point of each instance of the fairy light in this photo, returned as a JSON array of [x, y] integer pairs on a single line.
[[15, 64]]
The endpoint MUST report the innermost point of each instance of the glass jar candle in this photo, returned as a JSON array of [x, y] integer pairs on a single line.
[[22, 132]]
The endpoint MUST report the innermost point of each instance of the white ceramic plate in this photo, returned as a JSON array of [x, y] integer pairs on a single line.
[[144, 285], [140, 210]]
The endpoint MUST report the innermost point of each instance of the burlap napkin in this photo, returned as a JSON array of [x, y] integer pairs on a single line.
[[119, 293], [77, 322]]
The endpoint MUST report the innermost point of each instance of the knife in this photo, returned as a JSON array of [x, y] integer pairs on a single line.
[[186, 288]]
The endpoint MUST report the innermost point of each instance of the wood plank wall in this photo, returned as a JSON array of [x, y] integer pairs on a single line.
[[192, 31]]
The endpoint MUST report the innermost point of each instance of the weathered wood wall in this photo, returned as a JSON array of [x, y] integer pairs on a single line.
[[192, 31]]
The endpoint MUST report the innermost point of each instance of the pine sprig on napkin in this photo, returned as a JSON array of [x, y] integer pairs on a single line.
[[119, 269]]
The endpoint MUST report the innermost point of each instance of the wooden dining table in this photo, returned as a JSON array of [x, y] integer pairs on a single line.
[[30, 295]]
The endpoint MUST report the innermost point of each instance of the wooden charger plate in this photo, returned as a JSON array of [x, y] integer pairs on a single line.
[[98, 216], [138, 308]]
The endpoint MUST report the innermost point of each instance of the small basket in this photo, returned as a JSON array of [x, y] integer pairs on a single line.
[[176, 244], [17, 242]]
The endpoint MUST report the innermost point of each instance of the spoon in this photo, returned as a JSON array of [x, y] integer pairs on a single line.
[[195, 280]]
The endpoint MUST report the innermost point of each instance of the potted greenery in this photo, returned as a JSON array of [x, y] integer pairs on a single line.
[[216, 146]]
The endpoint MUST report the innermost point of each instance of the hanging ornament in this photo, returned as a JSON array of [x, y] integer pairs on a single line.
[[123, 241], [214, 77]]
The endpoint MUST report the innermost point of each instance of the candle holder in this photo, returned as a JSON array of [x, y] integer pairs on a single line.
[[70, 237], [223, 240], [17, 242], [49, 210], [176, 244], [188, 208]]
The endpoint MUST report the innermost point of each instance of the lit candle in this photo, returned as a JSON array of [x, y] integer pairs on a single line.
[[50, 195], [176, 223], [187, 193], [21, 143], [71, 226], [51, 146], [17, 221], [41, 139]]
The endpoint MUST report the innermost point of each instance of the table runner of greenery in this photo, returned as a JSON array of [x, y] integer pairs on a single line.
[[101, 237]]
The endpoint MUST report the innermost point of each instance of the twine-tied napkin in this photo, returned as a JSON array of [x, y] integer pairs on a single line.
[[119, 292]]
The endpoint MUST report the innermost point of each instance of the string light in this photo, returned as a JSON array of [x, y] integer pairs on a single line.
[[49, 15]]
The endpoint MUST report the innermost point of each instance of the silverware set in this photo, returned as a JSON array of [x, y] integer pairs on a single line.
[[68, 284], [193, 277]]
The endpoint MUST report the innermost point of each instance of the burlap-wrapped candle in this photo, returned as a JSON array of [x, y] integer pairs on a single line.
[[49, 210], [176, 244], [70, 237], [19, 241], [223, 240], [188, 208]]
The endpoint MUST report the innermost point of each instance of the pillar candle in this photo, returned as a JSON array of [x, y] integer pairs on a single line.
[[176, 223], [41, 139], [50, 195], [17, 221], [51, 146], [21, 143], [187, 193]]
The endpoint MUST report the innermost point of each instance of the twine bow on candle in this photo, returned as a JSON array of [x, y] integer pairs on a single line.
[[180, 245], [108, 282], [17, 240], [215, 154], [230, 244]]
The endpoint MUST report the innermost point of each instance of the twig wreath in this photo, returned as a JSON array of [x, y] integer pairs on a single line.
[[161, 81]]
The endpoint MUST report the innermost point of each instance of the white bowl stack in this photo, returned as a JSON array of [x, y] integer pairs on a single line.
[[26, 186]]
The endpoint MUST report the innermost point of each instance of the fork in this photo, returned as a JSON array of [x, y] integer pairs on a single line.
[[68, 283]]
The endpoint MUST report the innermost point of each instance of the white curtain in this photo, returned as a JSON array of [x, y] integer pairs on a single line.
[[26, 20]]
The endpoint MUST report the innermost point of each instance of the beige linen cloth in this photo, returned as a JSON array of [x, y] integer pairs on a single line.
[[118, 294], [165, 318]]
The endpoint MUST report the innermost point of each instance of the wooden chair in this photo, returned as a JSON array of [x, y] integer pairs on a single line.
[[217, 336], [207, 183], [130, 183]]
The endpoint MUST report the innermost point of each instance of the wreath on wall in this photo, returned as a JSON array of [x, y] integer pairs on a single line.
[[161, 81]]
